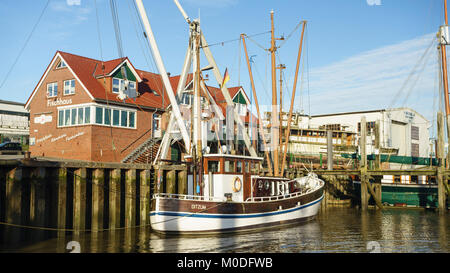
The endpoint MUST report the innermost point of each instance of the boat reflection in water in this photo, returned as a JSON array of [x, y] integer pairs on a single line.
[[334, 230]]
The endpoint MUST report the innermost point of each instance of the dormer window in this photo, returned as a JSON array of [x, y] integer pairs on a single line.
[[242, 109], [61, 64], [118, 84], [186, 98]]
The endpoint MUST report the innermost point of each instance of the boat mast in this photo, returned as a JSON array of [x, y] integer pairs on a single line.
[[288, 130], [260, 124], [444, 40], [274, 115], [281, 67], [444, 66]]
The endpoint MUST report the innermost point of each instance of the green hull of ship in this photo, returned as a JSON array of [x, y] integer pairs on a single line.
[[409, 195]]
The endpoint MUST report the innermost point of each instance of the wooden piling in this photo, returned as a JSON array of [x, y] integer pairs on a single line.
[[144, 197], [98, 182], [363, 165], [171, 181], [2, 194], [330, 150], [38, 198], [377, 145], [442, 195], [130, 198], [15, 211], [182, 182], [62, 198], [79, 199], [114, 199]]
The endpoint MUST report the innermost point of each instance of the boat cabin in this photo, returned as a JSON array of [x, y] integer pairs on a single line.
[[234, 177]]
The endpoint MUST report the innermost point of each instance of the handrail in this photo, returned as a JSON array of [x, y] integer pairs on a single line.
[[186, 197], [275, 197]]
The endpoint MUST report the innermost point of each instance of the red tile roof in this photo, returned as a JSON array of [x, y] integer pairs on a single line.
[[151, 88], [86, 68]]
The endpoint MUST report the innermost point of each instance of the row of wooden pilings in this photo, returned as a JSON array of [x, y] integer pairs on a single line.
[[77, 196]]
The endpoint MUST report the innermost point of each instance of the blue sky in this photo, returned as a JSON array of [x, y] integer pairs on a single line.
[[359, 52]]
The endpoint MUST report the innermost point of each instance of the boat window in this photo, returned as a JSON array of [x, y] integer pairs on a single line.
[[213, 166], [229, 166], [239, 166]]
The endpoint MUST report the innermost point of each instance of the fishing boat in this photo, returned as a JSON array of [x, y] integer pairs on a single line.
[[225, 191], [236, 198]]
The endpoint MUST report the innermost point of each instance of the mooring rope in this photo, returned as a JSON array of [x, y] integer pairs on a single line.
[[69, 229]]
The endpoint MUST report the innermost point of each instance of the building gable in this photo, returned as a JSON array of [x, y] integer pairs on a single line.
[[118, 73], [239, 98], [57, 59], [130, 70]]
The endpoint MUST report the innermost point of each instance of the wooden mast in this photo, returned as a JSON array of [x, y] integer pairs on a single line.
[[444, 68], [281, 67], [274, 115], [288, 129], [260, 124]]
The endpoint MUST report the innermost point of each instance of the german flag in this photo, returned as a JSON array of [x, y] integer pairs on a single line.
[[226, 78]]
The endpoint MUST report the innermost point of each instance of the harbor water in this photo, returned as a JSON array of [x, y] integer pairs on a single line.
[[335, 230]]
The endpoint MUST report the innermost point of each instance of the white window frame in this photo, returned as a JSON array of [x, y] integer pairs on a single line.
[[54, 92], [71, 89], [121, 83], [242, 109], [92, 117], [61, 64]]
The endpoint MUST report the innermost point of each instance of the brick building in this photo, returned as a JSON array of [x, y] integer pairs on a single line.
[[75, 112]]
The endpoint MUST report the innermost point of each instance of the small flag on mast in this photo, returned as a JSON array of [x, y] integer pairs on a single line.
[[226, 78]]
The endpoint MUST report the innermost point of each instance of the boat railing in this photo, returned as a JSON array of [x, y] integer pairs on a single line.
[[274, 198], [187, 197], [280, 196]]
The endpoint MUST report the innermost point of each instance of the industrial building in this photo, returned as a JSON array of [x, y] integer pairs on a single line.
[[14, 122], [403, 132]]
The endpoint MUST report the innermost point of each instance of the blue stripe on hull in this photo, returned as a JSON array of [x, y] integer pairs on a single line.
[[224, 216]]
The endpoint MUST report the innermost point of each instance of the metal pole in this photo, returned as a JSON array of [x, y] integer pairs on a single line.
[[163, 72], [164, 148]]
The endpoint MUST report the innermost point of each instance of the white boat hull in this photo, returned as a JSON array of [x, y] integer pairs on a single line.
[[170, 221]]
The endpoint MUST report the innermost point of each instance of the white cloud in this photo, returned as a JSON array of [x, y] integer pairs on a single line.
[[379, 79], [373, 2], [73, 2], [72, 8]]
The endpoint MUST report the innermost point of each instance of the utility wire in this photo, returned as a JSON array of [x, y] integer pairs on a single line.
[[25, 44], [233, 40]]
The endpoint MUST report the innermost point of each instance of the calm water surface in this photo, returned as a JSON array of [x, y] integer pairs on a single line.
[[334, 230]]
